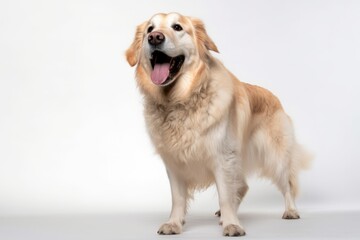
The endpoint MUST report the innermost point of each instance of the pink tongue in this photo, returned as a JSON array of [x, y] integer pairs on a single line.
[[160, 73]]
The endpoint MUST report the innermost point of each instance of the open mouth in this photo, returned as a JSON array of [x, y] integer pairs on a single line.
[[164, 67]]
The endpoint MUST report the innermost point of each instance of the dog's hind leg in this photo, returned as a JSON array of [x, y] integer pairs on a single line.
[[288, 185]]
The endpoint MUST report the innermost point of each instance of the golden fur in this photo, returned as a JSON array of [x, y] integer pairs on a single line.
[[209, 127]]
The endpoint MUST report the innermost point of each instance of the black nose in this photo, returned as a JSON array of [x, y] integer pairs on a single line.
[[156, 38]]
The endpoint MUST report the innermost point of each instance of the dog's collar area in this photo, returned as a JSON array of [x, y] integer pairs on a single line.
[[164, 67]]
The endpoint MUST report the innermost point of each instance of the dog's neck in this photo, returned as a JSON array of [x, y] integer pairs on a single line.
[[189, 86], [170, 103]]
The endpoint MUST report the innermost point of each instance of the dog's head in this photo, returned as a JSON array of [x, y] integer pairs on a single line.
[[167, 47]]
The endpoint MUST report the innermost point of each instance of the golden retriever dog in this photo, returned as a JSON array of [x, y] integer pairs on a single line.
[[207, 126]]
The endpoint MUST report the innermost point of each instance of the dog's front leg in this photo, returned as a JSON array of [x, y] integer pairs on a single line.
[[179, 200], [227, 191]]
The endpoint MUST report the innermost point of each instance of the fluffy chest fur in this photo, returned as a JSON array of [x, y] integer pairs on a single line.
[[188, 136], [180, 130]]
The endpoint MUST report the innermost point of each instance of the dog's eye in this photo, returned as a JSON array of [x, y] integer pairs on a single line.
[[150, 29], [177, 27]]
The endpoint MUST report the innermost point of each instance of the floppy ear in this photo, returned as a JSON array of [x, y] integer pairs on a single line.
[[203, 38], [132, 54]]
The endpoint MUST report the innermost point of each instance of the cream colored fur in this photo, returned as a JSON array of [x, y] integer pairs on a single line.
[[210, 128]]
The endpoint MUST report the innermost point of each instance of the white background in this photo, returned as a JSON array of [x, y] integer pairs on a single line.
[[72, 135]]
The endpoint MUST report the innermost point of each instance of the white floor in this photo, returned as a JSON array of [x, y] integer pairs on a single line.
[[312, 225]]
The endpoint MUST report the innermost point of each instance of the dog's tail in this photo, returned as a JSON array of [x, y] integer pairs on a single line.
[[302, 157]]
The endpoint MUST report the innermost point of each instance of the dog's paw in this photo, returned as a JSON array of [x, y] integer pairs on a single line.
[[233, 230], [218, 213], [169, 228], [290, 214]]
